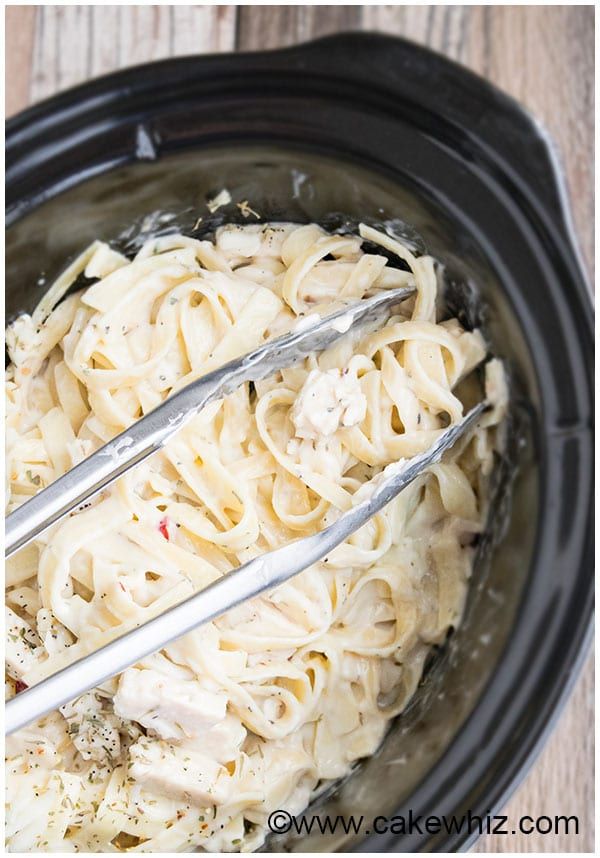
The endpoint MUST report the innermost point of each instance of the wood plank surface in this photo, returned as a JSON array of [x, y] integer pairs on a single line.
[[542, 55]]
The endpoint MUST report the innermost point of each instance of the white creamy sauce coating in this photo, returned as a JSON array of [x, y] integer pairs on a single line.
[[343, 323], [367, 490], [223, 198], [117, 449], [327, 401], [194, 748], [306, 322]]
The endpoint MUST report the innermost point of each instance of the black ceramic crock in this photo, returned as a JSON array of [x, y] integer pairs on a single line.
[[375, 127]]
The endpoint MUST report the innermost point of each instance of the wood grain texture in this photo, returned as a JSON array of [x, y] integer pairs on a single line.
[[74, 43], [20, 25], [543, 56]]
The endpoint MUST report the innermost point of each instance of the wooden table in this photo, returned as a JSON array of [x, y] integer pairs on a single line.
[[544, 56]]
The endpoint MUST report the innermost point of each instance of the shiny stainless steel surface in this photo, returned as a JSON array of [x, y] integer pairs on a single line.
[[154, 429], [263, 573]]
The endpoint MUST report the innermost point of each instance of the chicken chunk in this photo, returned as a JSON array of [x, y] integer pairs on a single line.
[[172, 770], [171, 708]]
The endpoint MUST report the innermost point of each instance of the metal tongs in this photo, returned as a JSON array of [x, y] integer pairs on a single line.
[[148, 435]]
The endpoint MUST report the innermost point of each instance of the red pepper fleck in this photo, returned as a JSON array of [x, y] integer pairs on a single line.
[[20, 685], [122, 586], [163, 527]]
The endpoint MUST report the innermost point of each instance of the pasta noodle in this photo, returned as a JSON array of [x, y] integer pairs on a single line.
[[193, 747]]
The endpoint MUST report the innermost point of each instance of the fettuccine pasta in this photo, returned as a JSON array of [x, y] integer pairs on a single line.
[[193, 747]]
